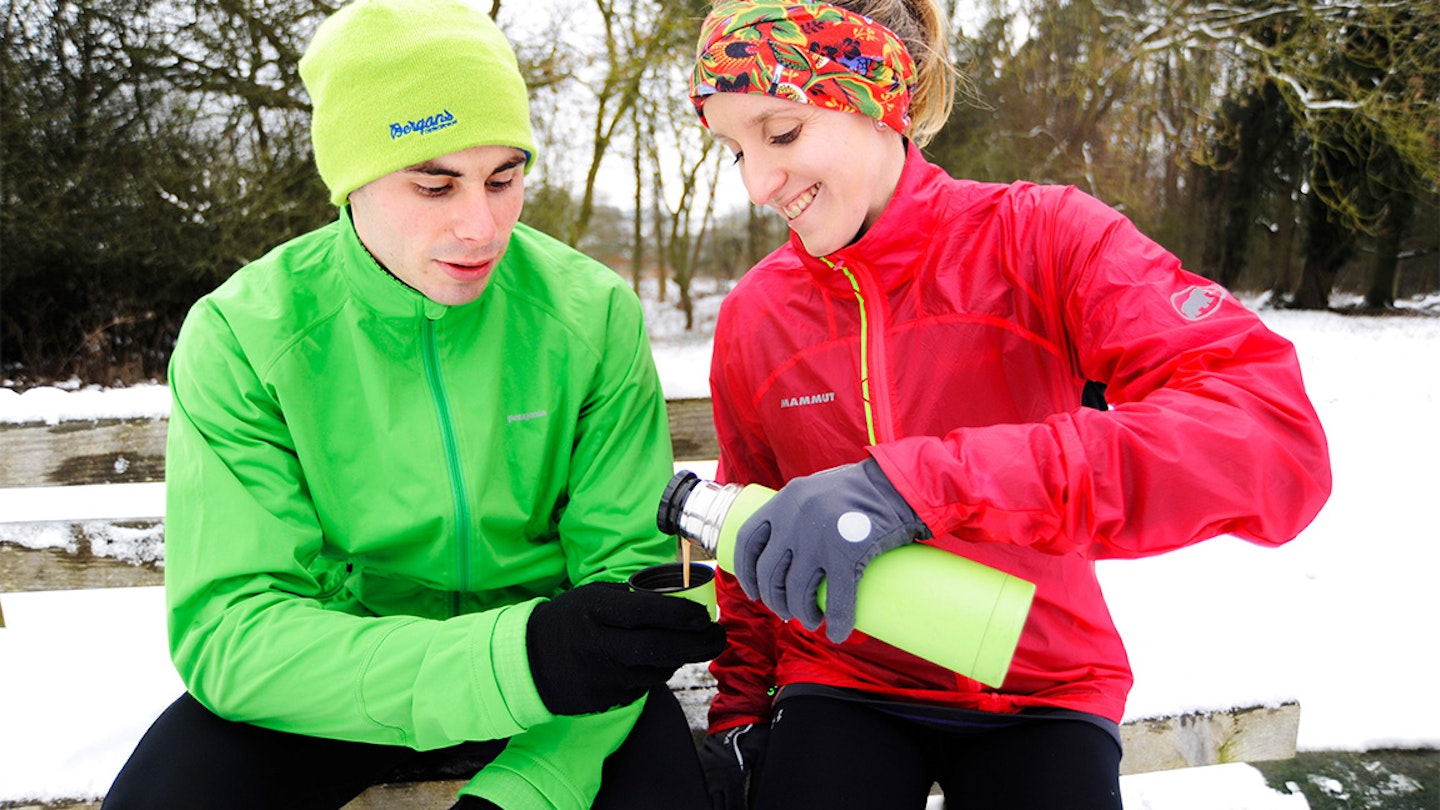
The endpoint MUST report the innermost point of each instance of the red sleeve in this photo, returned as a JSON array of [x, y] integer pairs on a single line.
[[745, 671], [1210, 429]]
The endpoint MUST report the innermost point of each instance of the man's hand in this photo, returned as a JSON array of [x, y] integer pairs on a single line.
[[603, 645], [826, 526], [729, 758]]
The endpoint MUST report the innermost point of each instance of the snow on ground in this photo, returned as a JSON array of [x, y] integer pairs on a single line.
[[1340, 619]]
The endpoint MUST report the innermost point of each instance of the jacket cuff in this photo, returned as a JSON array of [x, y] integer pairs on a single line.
[[557, 765], [511, 661], [510, 789]]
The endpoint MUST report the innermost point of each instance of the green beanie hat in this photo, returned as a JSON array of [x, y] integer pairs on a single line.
[[393, 83]]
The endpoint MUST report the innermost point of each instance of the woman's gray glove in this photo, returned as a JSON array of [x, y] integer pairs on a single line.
[[730, 757], [603, 645], [827, 526]]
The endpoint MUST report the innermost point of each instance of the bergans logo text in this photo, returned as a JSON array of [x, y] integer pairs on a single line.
[[812, 399], [424, 126]]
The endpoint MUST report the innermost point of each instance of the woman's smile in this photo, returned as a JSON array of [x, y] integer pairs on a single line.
[[797, 206]]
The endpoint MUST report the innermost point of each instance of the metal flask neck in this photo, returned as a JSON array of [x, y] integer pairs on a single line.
[[705, 510], [695, 509]]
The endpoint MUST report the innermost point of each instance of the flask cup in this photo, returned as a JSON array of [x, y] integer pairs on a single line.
[[933, 604], [669, 579]]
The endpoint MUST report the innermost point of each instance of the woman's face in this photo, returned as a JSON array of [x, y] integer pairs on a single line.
[[829, 173]]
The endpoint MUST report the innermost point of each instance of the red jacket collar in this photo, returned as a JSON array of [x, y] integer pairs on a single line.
[[892, 248]]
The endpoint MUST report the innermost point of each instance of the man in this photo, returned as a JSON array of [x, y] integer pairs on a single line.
[[411, 455]]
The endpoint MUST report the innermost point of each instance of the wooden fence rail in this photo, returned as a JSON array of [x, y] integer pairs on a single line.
[[129, 451]]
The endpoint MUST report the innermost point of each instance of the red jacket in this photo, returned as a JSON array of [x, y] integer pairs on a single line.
[[970, 316]]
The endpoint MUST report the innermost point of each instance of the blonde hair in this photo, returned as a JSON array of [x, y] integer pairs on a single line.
[[926, 34]]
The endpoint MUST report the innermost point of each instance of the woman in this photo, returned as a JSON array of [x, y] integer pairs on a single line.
[[928, 341]]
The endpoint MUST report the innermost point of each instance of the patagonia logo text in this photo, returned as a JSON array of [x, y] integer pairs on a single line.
[[812, 399], [424, 126]]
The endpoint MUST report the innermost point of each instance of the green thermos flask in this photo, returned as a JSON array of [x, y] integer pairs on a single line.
[[933, 604]]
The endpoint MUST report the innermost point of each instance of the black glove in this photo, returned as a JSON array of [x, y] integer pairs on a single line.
[[826, 526], [603, 645], [729, 757]]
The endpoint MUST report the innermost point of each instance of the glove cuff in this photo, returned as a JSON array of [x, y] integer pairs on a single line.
[[877, 478]]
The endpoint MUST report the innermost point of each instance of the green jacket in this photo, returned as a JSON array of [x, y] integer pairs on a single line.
[[368, 491]]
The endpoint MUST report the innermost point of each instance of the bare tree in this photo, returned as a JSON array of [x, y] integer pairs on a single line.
[[688, 153], [1118, 96], [636, 33], [1360, 84], [141, 168]]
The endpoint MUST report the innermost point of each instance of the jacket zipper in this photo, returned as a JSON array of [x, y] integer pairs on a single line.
[[452, 462], [874, 371], [878, 393]]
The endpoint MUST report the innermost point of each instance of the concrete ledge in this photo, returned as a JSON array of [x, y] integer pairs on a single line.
[[429, 795], [1248, 734]]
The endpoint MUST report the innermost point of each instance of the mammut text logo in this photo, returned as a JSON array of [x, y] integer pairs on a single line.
[[813, 399], [1194, 303], [424, 126]]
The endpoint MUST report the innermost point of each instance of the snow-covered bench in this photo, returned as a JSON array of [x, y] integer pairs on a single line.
[[1198, 700]]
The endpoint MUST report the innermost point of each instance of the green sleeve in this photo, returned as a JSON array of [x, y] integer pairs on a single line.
[[248, 632], [529, 775], [622, 457]]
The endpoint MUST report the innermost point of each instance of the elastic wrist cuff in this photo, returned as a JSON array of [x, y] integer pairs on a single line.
[[511, 660]]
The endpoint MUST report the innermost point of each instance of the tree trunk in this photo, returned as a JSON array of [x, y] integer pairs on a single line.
[[637, 232], [1328, 245], [1385, 268], [1283, 261], [1317, 276], [662, 248]]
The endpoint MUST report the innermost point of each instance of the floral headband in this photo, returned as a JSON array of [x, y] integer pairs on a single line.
[[809, 52]]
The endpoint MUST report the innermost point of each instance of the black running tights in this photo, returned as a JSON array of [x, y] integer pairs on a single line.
[[834, 754], [190, 758]]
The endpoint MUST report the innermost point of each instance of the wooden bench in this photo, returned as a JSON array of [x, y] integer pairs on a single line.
[[38, 458]]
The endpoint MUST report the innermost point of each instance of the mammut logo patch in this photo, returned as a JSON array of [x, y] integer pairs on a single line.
[[1196, 302], [424, 126], [812, 399]]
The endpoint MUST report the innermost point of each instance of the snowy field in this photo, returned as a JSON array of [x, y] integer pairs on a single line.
[[1342, 619]]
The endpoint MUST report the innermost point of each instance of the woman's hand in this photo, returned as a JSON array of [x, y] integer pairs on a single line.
[[826, 526]]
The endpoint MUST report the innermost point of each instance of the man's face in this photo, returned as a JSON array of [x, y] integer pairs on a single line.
[[441, 226]]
